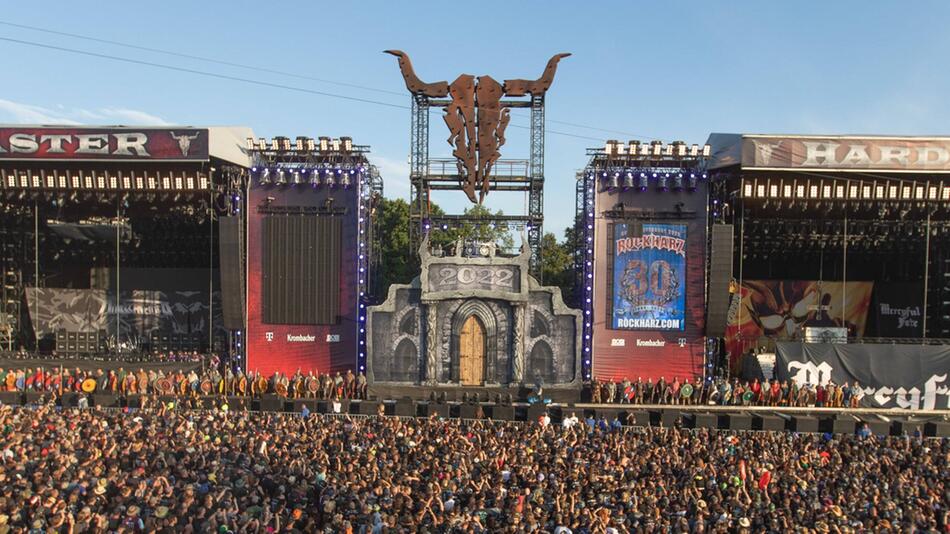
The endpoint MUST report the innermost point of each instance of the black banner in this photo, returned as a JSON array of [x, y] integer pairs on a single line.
[[140, 312], [912, 377], [899, 309]]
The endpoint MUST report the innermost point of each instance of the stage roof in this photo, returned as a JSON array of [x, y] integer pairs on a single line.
[[46, 143], [837, 153]]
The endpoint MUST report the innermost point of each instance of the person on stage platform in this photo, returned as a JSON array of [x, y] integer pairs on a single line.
[[775, 393], [611, 391], [349, 384], [675, 395], [856, 395], [338, 385], [10, 381], [326, 387], [738, 393], [699, 391], [846, 395], [242, 388], [361, 386], [756, 390]]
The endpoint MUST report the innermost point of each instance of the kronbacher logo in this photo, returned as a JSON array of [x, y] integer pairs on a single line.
[[651, 343], [301, 338]]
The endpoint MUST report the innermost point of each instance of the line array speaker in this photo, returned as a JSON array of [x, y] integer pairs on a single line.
[[720, 274], [230, 253]]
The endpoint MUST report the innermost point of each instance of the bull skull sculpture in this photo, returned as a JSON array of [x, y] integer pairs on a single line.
[[184, 141], [476, 117]]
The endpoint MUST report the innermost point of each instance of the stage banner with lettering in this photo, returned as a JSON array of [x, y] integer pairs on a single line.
[[782, 309], [82, 143], [649, 278], [140, 312], [912, 377], [899, 310]]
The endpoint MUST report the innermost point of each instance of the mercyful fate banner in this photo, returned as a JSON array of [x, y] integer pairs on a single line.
[[649, 284], [912, 377]]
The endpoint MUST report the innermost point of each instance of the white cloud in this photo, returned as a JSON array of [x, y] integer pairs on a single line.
[[18, 112], [132, 116]]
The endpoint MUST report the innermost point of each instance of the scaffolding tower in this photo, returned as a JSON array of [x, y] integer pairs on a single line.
[[511, 175]]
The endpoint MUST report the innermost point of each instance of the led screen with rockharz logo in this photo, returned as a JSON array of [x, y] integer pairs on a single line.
[[649, 278], [649, 272]]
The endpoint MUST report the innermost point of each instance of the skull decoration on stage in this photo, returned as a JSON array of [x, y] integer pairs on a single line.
[[476, 116]]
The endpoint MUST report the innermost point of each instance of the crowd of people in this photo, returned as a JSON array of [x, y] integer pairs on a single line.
[[81, 471], [182, 382], [726, 392]]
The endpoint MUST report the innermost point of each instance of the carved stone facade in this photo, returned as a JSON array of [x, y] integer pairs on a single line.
[[529, 333]]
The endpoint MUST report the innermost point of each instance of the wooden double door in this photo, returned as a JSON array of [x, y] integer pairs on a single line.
[[472, 352]]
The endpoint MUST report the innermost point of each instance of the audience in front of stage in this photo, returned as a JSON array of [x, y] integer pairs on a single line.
[[167, 471], [725, 392]]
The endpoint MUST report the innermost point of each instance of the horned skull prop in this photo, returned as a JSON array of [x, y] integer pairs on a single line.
[[476, 117]]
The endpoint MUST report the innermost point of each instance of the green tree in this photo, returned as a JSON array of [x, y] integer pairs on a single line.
[[557, 264], [478, 230], [397, 263]]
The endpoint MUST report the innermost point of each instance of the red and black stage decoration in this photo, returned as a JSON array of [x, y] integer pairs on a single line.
[[308, 259], [641, 260]]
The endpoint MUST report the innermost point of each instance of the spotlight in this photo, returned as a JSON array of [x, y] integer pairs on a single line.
[[628, 180], [315, 178], [345, 181], [691, 182], [678, 181], [643, 182], [265, 177], [281, 177], [297, 178], [614, 181], [662, 183], [330, 180]]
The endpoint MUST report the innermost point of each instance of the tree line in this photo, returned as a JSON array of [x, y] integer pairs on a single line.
[[399, 264]]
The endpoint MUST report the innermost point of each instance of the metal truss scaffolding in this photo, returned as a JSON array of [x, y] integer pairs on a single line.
[[427, 175]]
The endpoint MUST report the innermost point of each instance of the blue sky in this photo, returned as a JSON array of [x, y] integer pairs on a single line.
[[668, 70]]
